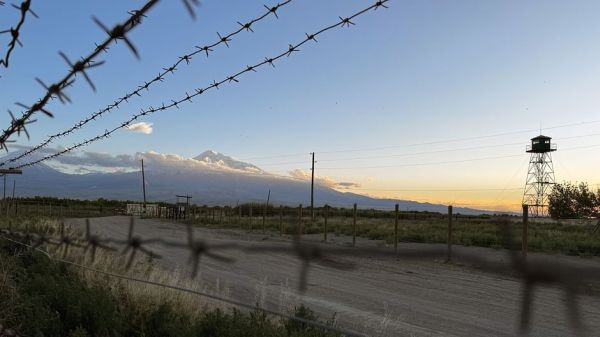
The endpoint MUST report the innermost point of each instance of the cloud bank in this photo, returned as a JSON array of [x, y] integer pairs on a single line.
[[325, 181]]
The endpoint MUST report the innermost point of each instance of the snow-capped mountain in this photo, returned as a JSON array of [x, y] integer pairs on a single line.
[[211, 156], [210, 178]]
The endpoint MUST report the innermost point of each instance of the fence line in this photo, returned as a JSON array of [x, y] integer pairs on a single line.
[[530, 272], [292, 48], [162, 75]]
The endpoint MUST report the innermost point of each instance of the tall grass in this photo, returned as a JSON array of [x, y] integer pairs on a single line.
[[42, 297]]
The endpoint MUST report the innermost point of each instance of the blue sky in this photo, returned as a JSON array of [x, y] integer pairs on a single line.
[[418, 72]]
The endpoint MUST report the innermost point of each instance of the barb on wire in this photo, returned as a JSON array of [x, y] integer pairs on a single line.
[[306, 252], [544, 273], [198, 248], [135, 243], [118, 32], [93, 242], [81, 67], [24, 9], [199, 91]]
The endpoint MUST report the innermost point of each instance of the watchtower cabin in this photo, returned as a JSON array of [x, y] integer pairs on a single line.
[[541, 144]]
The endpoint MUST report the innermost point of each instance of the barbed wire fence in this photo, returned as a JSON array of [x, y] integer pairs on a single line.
[[235, 77], [24, 8], [530, 273], [56, 90], [223, 39]]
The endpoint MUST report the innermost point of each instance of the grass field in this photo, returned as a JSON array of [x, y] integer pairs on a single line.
[[554, 237], [41, 297]]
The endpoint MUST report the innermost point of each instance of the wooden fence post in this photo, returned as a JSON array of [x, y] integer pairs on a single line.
[[280, 220], [264, 219], [396, 230], [525, 224], [354, 227], [250, 214], [449, 258], [326, 210], [300, 221]]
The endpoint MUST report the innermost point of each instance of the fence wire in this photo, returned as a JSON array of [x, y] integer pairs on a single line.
[[175, 103], [223, 39], [531, 273], [24, 8], [57, 90]]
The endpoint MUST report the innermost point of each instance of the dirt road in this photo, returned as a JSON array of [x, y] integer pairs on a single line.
[[382, 297]]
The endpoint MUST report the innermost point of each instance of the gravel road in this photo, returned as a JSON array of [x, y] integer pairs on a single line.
[[382, 297]]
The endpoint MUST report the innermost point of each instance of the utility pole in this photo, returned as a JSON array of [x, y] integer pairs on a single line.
[[312, 189], [14, 185], [143, 187]]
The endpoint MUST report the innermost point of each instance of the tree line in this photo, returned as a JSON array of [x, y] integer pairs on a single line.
[[573, 201]]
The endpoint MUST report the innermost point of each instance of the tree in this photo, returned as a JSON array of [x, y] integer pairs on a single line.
[[568, 200]]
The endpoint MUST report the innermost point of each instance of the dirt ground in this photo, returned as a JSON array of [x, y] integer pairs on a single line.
[[383, 296]]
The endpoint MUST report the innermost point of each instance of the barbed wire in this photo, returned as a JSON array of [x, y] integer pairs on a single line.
[[171, 69], [14, 32], [530, 272], [117, 33], [197, 248], [292, 48]]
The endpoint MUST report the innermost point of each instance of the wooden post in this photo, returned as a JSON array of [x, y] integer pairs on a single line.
[[354, 227], [525, 224], [396, 230], [449, 258], [250, 216], [280, 220], [264, 219], [326, 210], [265, 213], [300, 221]]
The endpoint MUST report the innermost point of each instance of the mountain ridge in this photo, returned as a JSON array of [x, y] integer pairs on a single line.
[[211, 178]]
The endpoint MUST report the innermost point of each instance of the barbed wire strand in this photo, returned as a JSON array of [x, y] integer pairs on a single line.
[[531, 272], [318, 324], [343, 22], [56, 90], [14, 32], [162, 75]]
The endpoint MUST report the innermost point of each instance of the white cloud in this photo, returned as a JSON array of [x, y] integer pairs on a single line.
[[141, 127], [326, 181]]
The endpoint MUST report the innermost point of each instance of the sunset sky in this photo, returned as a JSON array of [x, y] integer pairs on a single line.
[[427, 100]]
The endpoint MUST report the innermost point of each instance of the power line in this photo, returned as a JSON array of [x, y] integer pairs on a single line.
[[422, 164], [343, 22], [440, 142], [435, 190], [449, 161]]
